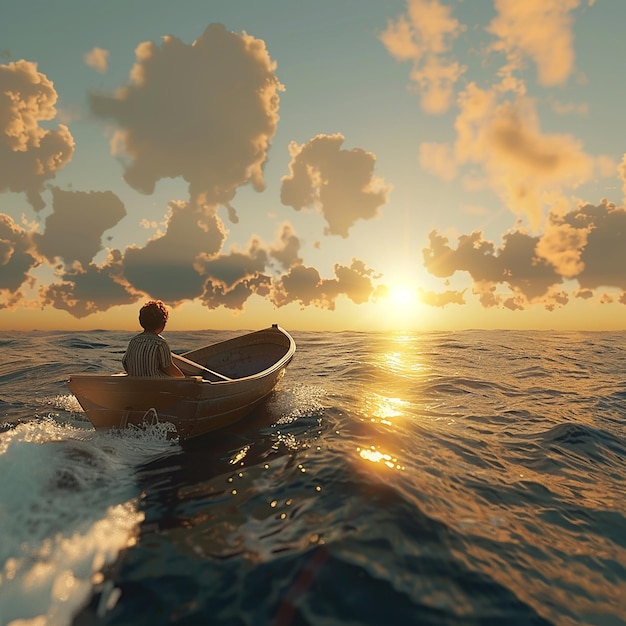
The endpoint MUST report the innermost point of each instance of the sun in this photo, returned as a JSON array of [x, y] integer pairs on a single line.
[[399, 305], [402, 306], [402, 296]]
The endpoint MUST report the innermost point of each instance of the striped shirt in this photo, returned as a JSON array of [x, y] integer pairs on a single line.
[[147, 355]]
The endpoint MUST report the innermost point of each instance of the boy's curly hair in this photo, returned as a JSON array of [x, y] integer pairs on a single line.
[[153, 315]]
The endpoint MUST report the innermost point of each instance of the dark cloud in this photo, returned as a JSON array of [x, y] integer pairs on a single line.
[[584, 294], [75, 227], [603, 256], [339, 183], [586, 244], [218, 294], [355, 281], [515, 264], [306, 286], [17, 257], [170, 266], [525, 271], [30, 155], [286, 253], [83, 292], [205, 112], [235, 266], [473, 254], [232, 278]]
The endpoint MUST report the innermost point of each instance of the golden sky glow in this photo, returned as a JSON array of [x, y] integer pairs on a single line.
[[432, 165]]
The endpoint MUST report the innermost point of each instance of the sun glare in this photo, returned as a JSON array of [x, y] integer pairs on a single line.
[[402, 296], [401, 306]]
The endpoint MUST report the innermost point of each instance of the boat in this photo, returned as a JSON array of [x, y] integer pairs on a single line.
[[224, 382]]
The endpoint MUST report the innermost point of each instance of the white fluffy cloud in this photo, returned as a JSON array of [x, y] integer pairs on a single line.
[[29, 153]]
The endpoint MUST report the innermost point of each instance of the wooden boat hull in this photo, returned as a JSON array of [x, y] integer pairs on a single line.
[[224, 382]]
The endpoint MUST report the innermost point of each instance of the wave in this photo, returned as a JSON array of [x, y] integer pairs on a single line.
[[440, 478], [68, 505]]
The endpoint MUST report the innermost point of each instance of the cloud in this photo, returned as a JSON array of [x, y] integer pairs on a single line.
[[622, 175], [499, 143], [527, 168], [486, 292], [18, 256], [562, 245], [441, 299], [540, 30], [569, 108], [603, 254], [339, 183], [236, 265], [83, 292], [305, 285], [438, 159], [182, 262], [98, 58], [170, 266], [355, 281], [424, 36], [205, 112], [217, 294], [584, 294], [75, 227], [473, 254], [79, 291], [586, 244], [514, 264], [286, 253], [233, 277], [30, 155]]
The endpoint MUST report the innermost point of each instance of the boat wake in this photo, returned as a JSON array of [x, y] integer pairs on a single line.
[[69, 503]]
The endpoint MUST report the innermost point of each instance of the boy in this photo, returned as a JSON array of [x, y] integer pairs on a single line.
[[148, 354]]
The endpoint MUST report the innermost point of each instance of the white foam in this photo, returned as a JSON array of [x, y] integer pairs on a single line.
[[292, 403], [66, 402], [68, 504]]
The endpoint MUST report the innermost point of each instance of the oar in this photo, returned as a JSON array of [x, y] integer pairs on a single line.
[[178, 357]]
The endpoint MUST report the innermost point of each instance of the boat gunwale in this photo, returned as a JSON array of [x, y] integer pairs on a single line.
[[171, 380]]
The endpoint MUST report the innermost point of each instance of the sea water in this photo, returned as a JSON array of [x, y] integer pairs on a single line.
[[420, 478]]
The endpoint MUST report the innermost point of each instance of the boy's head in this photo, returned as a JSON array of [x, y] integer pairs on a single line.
[[153, 315]]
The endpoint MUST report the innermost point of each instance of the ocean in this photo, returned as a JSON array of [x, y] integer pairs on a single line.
[[448, 478]]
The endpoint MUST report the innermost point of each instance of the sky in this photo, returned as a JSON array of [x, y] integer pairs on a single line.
[[332, 165]]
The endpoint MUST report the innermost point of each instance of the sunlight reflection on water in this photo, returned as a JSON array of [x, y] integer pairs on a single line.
[[518, 505], [471, 476]]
